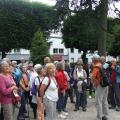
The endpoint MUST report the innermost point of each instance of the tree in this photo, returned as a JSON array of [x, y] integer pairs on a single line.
[[16, 31], [19, 20], [101, 9], [76, 33], [39, 48], [113, 41]]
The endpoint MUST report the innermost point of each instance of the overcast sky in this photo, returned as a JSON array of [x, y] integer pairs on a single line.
[[49, 2], [52, 2]]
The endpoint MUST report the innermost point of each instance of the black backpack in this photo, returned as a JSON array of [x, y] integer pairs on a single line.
[[105, 77]]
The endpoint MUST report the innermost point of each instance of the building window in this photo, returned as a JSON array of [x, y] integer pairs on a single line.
[[72, 50], [16, 50], [61, 51], [55, 50]]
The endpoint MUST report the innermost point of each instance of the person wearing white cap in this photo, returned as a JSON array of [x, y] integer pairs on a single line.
[[35, 79]]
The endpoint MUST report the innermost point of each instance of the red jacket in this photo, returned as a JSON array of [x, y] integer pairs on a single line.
[[61, 81], [113, 76]]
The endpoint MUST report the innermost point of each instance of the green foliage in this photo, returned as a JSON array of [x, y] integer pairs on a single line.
[[16, 30], [80, 31], [19, 20], [114, 36], [39, 48]]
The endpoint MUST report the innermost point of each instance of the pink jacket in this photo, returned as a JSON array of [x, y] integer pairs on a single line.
[[6, 83]]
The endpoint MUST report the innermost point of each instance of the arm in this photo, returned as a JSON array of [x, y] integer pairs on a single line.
[[3, 89], [118, 70], [44, 85], [96, 77], [23, 86]]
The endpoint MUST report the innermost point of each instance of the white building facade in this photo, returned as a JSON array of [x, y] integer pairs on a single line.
[[57, 50], [60, 52]]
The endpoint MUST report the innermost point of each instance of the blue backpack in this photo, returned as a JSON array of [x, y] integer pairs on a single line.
[[34, 87]]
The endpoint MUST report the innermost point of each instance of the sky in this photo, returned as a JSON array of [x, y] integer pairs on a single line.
[[52, 3], [49, 2]]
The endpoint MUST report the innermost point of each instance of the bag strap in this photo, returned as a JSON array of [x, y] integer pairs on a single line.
[[46, 87], [24, 82], [48, 84]]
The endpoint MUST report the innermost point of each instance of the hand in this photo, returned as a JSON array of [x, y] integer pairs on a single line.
[[27, 89], [63, 92], [14, 87]]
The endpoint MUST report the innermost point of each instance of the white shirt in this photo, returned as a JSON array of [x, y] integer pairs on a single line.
[[52, 91], [37, 83]]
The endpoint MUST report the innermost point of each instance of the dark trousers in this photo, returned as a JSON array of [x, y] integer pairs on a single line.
[[111, 95], [80, 100], [70, 93], [60, 102], [65, 100], [1, 114], [117, 94], [22, 108], [34, 107]]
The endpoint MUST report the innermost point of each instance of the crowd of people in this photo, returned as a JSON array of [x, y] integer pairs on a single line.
[[46, 88]]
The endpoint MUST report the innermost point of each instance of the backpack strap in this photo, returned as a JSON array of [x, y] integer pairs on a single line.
[[46, 87], [48, 84]]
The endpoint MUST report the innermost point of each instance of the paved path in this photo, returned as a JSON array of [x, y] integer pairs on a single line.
[[90, 114]]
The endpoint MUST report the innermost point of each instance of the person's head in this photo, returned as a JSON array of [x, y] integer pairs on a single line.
[[43, 73], [38, 68], [14, 64], [50, 69], [79, 64], [113, 61], [60, 66], [95, 59], [30, 65], [5, 67], [7, 60], [24, 68], [22, 60], [67, 64], [47, 60], [102, 59]]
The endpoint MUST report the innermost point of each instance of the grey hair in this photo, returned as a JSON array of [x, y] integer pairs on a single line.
[[60, 66], [3, 63]]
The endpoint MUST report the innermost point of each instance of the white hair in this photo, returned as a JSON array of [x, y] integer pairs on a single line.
[[3, 63], [37, 66]]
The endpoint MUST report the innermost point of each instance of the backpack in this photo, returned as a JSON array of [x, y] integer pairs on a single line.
[[34, 87], [105, 77]]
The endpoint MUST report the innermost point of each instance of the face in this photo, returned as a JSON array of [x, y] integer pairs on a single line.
[[79, 66], [6, 68], [51, 70], [43, 72], [30, 67], [14, 65], [113, 63], [24, 68]]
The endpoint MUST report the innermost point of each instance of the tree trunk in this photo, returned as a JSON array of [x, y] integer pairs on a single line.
[[102, 27], [3, 54], [84, 57]]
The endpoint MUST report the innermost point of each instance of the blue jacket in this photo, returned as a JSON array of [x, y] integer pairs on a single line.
[[118, 74]]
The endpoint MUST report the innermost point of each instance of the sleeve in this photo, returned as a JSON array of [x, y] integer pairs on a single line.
[[37, 81], [85, 75], [95, 76], [67, 76], [3, 89], [74, 74], [118, 70]]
